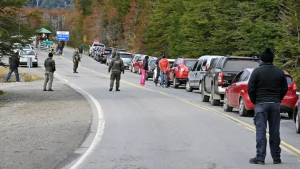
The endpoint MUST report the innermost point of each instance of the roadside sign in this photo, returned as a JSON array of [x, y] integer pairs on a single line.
[[50, 43], [62, 35]]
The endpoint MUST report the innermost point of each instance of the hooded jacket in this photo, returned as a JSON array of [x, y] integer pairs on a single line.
[[14, 62], [145, 64], [164, 65], [116, 64], [265, 87]]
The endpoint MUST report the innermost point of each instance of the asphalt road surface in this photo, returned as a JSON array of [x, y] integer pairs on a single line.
[[159, 128]]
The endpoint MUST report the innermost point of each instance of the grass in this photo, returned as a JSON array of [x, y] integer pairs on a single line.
[[24, 77]]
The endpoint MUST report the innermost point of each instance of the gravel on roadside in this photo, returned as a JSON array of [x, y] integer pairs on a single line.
[[40, 129]]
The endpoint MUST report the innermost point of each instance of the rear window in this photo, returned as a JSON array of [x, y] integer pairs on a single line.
[[125, 56], [27, 52], [238, 65], [289, 80], [98, 45], [27, 47], [152, 63], [190, 63]]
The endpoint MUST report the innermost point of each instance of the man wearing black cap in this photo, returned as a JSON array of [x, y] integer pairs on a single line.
[[50, 69], [267, 87]]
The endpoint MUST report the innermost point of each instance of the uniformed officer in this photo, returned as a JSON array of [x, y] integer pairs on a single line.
[[76, 59], [116, 66], [50, 69]]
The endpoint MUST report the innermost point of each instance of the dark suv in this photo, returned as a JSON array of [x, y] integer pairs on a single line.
[[220, 74]]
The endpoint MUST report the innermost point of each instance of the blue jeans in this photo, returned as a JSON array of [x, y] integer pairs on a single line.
[[162, 75], [16, 74], [267, 112]]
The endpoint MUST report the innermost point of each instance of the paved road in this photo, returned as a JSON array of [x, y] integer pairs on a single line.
[[152, 127]]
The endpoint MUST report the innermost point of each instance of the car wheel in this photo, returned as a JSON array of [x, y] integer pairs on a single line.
[[226, 107], [130, 68], [200, 87], [133, 71], [204, 98], [297, 122], [188, 87], [213, 101], [174, 82], [242, 109]]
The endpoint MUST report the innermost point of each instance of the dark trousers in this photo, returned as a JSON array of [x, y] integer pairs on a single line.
[[157, 76], [16, 74], [75, 66], [267, 112], [115, 76]]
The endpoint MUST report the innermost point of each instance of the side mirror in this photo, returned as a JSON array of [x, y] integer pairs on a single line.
[[203, 68]]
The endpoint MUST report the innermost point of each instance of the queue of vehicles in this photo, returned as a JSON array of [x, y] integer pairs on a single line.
[[217, 78]]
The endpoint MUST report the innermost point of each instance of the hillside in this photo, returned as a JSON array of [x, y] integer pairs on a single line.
[[51, 4]]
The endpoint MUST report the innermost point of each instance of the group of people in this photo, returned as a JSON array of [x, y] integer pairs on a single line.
[[162, 69], [266, 93]]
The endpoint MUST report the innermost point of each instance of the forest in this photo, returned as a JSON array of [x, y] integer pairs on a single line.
[[189, 28]]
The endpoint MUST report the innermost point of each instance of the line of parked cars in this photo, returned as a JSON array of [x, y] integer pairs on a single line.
[[217, 78]]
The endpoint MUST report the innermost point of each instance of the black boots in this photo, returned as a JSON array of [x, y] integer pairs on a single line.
[[117, 89], [256, 161], [110, 89]]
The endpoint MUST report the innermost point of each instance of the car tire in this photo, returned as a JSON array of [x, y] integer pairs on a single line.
[[174, 83], [213, 101], [226, 107], [242, 109], [200, 87], [188, 87], [204, 98], [297, 122]]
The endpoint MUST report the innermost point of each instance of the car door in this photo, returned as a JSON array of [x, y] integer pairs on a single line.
[[191, 76], [241, 85], [235, 89], [173, 70], [197, 73], [136, 64], [209, 74]]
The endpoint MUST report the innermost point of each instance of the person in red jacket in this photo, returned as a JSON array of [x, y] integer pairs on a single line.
[[164, 68]]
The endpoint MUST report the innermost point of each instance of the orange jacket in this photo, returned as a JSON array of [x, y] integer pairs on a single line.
[[164, 65]]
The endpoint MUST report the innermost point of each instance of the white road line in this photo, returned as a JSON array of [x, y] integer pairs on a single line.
[[100, 128]]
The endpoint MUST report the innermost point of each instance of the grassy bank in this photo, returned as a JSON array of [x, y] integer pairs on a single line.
[[24, 77]]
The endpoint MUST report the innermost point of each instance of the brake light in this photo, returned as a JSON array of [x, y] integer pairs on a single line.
[[220, 78], [207, 66], [295, 86], [37, 57], [109, 57], [149, 68]]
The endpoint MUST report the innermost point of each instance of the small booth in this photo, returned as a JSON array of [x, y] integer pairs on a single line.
[[43, 36]]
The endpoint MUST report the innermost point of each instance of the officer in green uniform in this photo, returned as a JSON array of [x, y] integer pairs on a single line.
[[116, 66], [76, 59]]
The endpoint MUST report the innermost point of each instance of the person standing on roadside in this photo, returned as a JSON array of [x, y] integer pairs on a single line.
[[49, 65], [164, 68], [76, 59], [116, 66], [144, 70], [266, 93], [157, 68], [14, 62], [80, 50], [60, 47]]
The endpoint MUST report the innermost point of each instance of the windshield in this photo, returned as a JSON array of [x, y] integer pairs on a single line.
[[238, 65], [125, 56], [190, 63], [152, 63], [98, 45], [289, 80], [27, 52]]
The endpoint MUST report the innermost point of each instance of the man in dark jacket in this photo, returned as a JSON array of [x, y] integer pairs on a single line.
[[76, 59], [116, 66], [49, 65], [157, 68], [14, 63], [267, 87]]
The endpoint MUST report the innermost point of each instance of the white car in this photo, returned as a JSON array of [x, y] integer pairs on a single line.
[[96, 43], [171, 61], [25, 54]]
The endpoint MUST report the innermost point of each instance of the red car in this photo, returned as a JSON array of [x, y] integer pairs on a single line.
[[179, 72], [236, 95], [138, 63], [296, 116]]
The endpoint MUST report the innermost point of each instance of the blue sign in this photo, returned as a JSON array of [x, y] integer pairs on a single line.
[[62, 35]]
